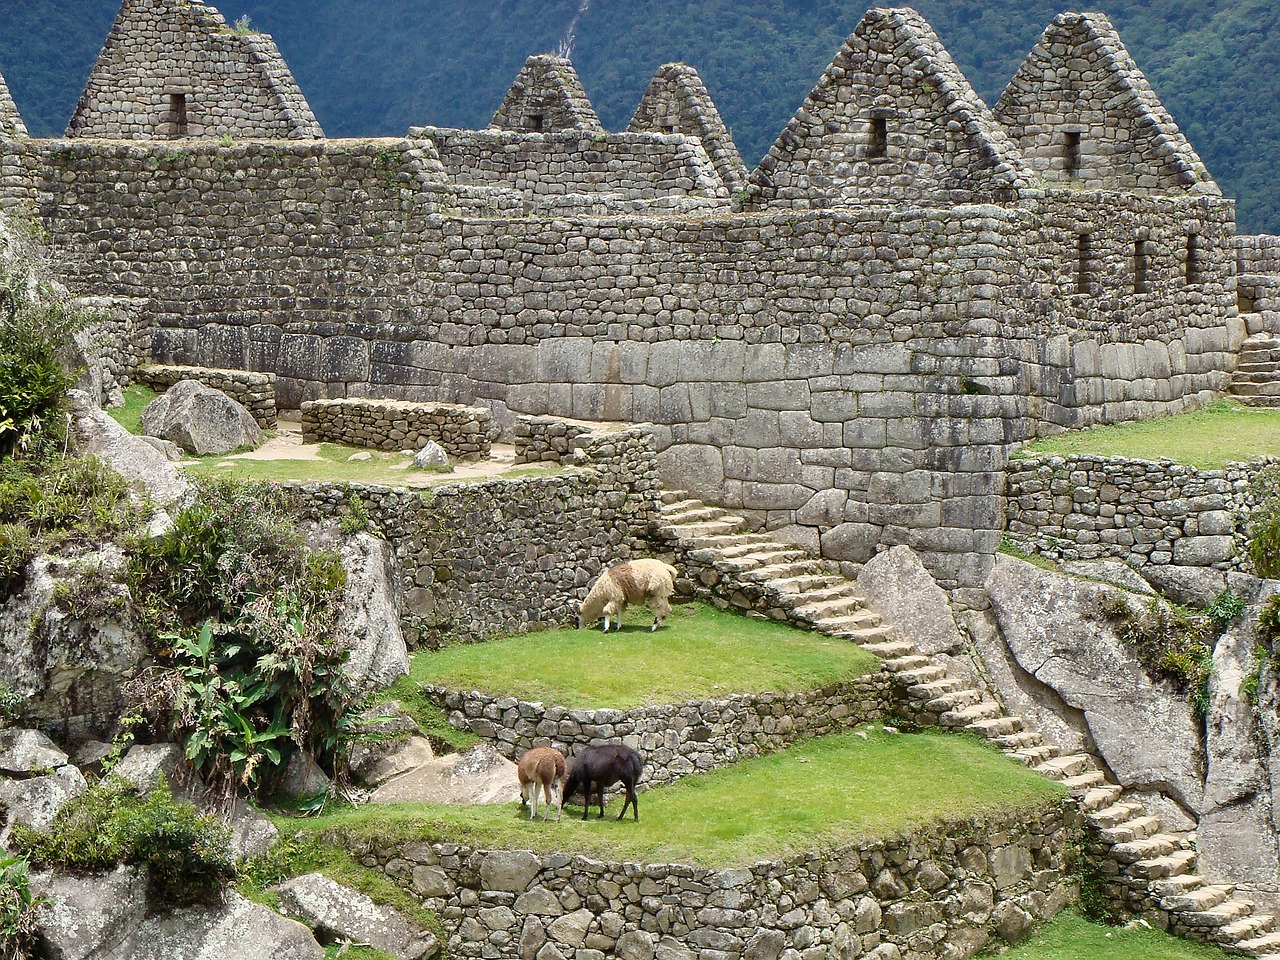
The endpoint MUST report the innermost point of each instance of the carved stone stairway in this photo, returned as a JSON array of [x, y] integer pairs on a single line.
[[1256, 381], [1151, 872]]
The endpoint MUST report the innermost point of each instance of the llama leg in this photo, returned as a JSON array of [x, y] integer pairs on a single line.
[[558, 789], [630, 802], [661, 607], [533, 800]]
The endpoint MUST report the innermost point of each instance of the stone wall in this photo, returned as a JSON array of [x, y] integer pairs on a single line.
[[11, 125], [111, 348], [547, 439], [1258, 254], [679, 739], [465, 433], [177, 69], [547, 96], [505, 556], [1144, 512], [256, 392], [626, 166], [947, 891]]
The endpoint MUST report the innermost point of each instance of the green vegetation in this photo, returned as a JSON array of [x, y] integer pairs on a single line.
[[1264, 522], [1174, 641], [1209, 62], [701, 652], [816, 794], [1209, 438], [136, 399], [431, 719], [185, 852], [19, 910], [1071, 937], [1009, 548]]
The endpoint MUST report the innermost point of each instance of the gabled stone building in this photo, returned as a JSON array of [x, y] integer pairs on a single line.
[[547, 97], [11, 124], [175, 68]]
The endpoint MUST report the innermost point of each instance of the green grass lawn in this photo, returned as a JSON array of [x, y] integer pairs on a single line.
[[136, 399], [1208, 438], [1070, 937], [700, 652], [335, 464], [816, 794]]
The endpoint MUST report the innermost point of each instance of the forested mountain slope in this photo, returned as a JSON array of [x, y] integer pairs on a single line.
[[378, 66]]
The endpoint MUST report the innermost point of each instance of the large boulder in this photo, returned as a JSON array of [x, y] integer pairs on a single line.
[[369, 623], [68, 664], [899, 588], [239, 928], [480, 775], [35, 801], [337, 914], [1057, 632], [148, 471], [201, 420], [89, 916]]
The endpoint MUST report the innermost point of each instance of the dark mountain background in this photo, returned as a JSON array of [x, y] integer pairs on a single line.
[[376, 67]]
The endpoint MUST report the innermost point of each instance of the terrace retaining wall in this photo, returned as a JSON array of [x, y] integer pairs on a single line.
[[464, 433]]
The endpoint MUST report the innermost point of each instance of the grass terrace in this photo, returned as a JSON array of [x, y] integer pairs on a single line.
[[700, 653], [1223, 432], [1071, 937], [817, 794]]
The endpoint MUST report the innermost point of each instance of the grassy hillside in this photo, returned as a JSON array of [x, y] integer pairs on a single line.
[[378, 66]]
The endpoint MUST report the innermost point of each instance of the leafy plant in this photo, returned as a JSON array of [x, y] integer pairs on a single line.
[[19, 909], [185, 852], [1171, 641], [1224, 609]]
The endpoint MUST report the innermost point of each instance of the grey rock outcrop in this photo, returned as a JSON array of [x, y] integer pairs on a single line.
[[69, 666], [337, 913], [34, 802], [369, 623], [239, 928], [89, 916], [480, 775], [388, 743], [25, 753], [201, 420], [1054, 627], [148, 470], [899, 588]]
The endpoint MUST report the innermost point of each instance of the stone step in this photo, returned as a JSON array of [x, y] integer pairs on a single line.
[[722, 526], [1032, 756], [824, 609], [1139, 828], [1176, 864], [747, 562], [1085, 781], [1218, 916], [1148, 848], [910, 661], [1177, 886], [1072, 765], [1116, 814], [1271, 388], [985, 710], [860, 635], [806, 567], [938, 688], [1019, 741], [1100, 797], [812, 586], [911, 676], [953, 702], [676, 496], [1246, 928], [690, 511], [1269, 403], [1265, 946], [720, 541], [757, 549], [1204, 898], [890, 649], [1255, 367], [995, 727]]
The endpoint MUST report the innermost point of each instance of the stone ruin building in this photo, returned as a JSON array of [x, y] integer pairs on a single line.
[[844, 344]]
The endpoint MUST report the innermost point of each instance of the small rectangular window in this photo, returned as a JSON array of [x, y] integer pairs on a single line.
[[878, 139], [534, 122], [1071, 154], [1084, 263], [668, 128], [178, 114], [1193, 260], [1141, 267]]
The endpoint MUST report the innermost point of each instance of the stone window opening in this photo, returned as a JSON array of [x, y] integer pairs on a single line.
[[1071, 153], [535, 122], [178, 117], [878, 138], [1084, 263], [1194, 269], [1141, 267], [668, 128]]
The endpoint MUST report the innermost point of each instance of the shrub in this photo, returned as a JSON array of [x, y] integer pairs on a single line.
[[185, 852], [1224, 609], [19, 910], [1171, 641]]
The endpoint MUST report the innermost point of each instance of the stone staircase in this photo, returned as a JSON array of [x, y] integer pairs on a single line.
[[1150, 871], [1256, 381]]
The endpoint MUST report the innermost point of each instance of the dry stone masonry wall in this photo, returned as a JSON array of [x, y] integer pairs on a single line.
[[175, 68], [505, 556], [547, 439], [11, 125], [256, 392], [948, 892], [1258, 254], [1144, 512], [546, 97], [679, 739], [463, 432]]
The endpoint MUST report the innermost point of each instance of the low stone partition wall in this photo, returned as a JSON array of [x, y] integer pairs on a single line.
[[1258, 253], [947, 891], [547, 439], [1145, 512], [463, 432], [256, 392], [675, 740], [478, 559]]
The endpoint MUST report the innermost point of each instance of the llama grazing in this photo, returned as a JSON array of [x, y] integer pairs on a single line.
[[542, 767], [599, 767], [650, 581]]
